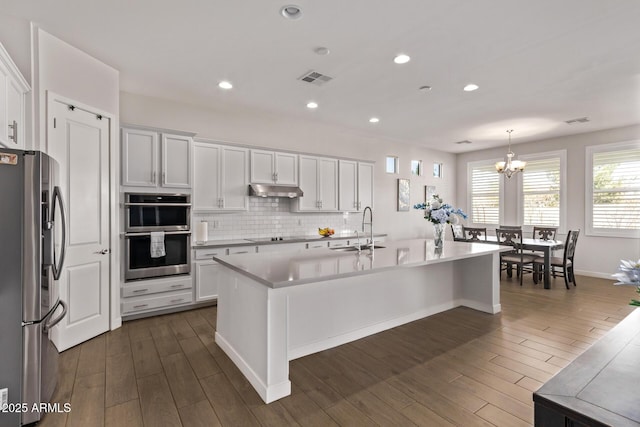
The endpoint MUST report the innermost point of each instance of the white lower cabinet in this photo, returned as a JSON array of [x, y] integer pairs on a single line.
[[143, 296], [207, 276]]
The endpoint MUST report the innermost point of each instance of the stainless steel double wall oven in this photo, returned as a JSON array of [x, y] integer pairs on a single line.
[[147, 213]]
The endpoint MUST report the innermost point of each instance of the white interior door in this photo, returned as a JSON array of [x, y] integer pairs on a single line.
[[79, 141]]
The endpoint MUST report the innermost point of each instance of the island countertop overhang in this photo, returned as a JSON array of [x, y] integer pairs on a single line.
[[283, 269]]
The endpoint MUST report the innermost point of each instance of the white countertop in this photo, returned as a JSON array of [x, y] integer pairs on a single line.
[[289, 239], [281, 269]]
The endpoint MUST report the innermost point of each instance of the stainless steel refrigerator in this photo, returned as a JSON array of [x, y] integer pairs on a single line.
[[32, 244]]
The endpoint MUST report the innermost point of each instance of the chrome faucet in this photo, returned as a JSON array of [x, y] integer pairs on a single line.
[[370, 223], [358, 237]]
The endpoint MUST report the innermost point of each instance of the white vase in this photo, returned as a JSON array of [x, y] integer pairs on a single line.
[[438, 235]]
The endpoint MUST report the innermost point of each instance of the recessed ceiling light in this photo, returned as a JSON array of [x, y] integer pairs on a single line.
[[225, 85], [291, 12], [471, 87], [322, 50], [374, 120], [312, 105], [402, 59]]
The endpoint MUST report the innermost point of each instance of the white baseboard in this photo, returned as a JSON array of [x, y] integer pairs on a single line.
[[267, 393], [595, 274]]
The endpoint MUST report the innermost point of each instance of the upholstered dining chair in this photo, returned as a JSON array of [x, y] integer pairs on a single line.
[[474, 234], [458, 232], [565, 263], [517, 256]]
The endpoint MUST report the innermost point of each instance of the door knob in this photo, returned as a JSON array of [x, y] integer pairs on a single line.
[[103, 252]]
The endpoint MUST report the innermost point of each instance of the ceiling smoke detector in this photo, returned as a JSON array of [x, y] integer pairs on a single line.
[[315, 78], [291, 12], [578, 120]]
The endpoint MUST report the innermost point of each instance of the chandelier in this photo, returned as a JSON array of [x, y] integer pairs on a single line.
[[510, 167]]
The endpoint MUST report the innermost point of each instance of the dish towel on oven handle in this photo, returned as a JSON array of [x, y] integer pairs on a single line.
[[157, 244]]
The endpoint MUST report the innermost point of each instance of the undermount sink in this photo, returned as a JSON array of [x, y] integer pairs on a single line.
[[354, 248]]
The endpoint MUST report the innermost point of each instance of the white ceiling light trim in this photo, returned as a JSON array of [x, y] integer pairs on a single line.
[[312, 105], [471, 87], [402, 59], [374, 120], [291, 12], [224, 84]]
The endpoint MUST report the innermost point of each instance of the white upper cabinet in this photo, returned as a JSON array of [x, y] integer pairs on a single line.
[[154, 159], [220, 177], [272, 167], [13, 92], [356, 185], [319, 183]]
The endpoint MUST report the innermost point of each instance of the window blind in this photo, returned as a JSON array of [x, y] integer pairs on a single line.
[[616, 189], [485, 195], [541, 192]]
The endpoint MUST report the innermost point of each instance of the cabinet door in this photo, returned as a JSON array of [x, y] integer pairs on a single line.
[[309, 170], [262, 167], [15, 115], [286, 168], [328, 184], [348, 193], [176, 161], [207, 279], [4, 123], [139, 158], [206, 177], [365, 185], [234, 178]]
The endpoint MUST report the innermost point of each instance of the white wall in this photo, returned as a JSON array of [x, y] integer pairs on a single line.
[[71, 73], [271, 131], [598, 256], [16, 39]]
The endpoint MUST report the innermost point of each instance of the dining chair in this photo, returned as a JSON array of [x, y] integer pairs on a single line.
[[510, 227], [517, 256], [566, 262], [474, 234], [544, 233], [458, 233]]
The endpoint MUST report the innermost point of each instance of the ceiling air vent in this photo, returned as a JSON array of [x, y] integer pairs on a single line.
[[315, 78], [466, 141], [578, 120]]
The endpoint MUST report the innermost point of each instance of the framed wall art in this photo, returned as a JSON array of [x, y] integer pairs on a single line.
[[404, 194]]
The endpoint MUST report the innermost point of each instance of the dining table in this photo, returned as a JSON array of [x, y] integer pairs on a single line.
[[538, 245]]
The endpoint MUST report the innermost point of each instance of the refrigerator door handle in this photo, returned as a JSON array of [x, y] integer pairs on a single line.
[[57, 197], [50, 324]]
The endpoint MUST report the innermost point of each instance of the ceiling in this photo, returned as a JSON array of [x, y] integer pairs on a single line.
[[538, 63]]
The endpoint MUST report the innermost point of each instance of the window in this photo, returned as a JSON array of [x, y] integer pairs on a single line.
[[416, 167], [613, 190], [485, 192], [437, 170], [392, 164], [541, 189]]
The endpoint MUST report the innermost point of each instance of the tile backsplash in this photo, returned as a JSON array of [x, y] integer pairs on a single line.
[[272, 217]]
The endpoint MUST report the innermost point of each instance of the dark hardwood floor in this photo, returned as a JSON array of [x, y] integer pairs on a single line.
[[460, 367]]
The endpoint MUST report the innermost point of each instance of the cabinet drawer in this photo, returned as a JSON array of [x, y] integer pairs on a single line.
[[165, 300], [152, 287], [206, 254], [242, 250], [338, 243], [281, 247], [314, 245]]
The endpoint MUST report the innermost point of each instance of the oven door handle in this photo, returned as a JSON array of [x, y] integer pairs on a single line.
[[170, 205], [149, 233], [50, 324]]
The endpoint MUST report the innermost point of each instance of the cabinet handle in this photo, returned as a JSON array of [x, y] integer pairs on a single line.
[[137, 307], [241, 252], [176, 286], [138, 291], [164, 177], [14, 127], [153, 176], [276, 176], [177, 300]]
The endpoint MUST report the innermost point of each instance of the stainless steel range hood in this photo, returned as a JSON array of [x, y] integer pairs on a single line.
[[265, 190]]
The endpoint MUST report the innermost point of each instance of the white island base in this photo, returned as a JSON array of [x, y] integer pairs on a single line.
[[273, 308]]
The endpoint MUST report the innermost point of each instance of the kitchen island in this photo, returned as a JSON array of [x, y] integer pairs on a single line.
[[276, 307]]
